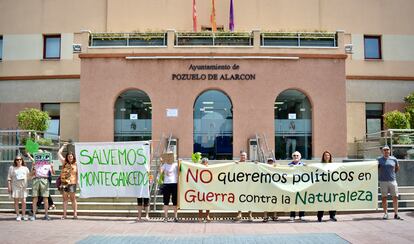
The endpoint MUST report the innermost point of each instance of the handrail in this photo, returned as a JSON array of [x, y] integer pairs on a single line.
[[399, 141]]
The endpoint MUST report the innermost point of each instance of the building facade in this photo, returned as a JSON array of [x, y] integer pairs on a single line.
[[305, 75]]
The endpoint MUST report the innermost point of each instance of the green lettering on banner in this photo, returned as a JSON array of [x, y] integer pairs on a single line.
[[82, 154], [354, 196], [342, 197], [119, 179], [299, 197], [114, 152], [95, 157], [131, 162], [107, 156], [112, 179], [144, 161], [122, 156]]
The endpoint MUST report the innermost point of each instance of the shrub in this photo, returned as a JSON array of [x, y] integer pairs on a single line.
[[397, 120], [409, 100], [33, 119]]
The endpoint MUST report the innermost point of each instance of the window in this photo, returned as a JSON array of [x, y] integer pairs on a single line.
[[51, 47], [1, 47], [53, 109], [372, 47], [373, 114]]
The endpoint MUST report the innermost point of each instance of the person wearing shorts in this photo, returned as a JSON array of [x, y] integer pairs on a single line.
[[387, 168], [169, 189], [40, 187], [69, 179], [143, 203]]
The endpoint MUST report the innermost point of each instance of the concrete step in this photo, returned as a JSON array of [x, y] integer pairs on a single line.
[[128, 206]]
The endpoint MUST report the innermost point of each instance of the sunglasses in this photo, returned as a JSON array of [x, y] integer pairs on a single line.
[[18, 159], [295, 155]]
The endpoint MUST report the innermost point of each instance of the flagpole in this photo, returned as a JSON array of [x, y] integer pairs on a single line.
[[194, 16], [213, 17], [231, 20]]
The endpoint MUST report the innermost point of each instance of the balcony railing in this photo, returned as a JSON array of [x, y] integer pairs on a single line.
[[299, 39], [213, 39], [128, 39]]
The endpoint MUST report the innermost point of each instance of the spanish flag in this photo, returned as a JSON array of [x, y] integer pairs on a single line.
[[213, 17]]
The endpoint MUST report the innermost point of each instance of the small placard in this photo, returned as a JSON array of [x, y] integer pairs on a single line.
[[167, 157], [77, 48], [133, 116], [172, 112], [292, 116]]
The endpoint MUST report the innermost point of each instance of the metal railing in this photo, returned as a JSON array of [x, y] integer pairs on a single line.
[[400, 141], [134, 39], [13, 142], [213, 39], [220, 38], [299, 39]]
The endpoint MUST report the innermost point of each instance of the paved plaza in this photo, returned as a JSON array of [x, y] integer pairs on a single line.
[[350, 228]]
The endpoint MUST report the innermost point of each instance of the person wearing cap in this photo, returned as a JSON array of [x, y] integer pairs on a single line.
[[271, 162], [387, 168]]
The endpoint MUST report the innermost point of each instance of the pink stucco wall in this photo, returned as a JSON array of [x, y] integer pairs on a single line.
[[9, 111], [322, 80]]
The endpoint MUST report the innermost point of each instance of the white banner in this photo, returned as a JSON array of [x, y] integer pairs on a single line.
[[113, 169], [262, 187]]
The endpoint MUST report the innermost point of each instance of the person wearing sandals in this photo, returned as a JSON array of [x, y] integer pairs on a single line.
[[204, 161], [270, 161], [327, 158], [169, 190], [17, 185], [69, 179]]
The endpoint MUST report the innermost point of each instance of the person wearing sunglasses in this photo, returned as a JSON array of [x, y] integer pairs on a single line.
[[17, 185], [387, 168], [297, 162]]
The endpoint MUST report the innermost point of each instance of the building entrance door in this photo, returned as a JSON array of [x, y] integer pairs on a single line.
[[213, 125]]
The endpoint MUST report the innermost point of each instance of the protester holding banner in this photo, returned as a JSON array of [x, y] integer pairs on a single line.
[[69, 179], [243, 159], [170, 170], [297, 162], [40, 200], [387, 168], [143, 203], [270, 161], [204, 161], [17, 185], [40, 186], [327, 158]]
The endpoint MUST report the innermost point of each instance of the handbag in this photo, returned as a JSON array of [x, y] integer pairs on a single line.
[[59, 183]]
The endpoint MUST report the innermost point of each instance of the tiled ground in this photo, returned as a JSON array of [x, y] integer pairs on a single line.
[[354, 228]]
